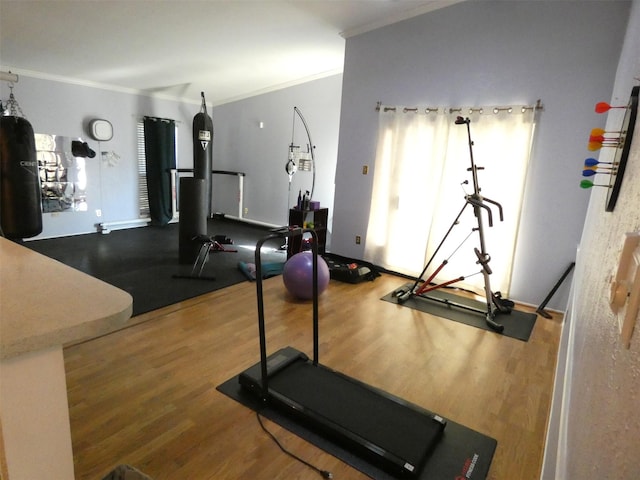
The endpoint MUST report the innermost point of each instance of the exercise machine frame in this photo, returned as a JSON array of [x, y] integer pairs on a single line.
[[494, 303], [391, 433]]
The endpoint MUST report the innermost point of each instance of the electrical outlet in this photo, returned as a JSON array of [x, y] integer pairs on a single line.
[[365, 169], [246, 210], [358, 239], [98, 213]]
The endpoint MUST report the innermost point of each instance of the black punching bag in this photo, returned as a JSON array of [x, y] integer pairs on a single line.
[[202, 149], [20, 199]]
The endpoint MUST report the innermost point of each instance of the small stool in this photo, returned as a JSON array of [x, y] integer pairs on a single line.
[[207, 245]]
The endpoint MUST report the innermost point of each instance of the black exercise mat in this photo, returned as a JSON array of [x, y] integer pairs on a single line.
[[462, 452], [143, 261], [517, 324]]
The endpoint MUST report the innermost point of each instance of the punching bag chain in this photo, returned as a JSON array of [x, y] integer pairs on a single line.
[[13, 107]]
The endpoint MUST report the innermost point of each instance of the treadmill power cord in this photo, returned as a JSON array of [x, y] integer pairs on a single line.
[[323, 473]]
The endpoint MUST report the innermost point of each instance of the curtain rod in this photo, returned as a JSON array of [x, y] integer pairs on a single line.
[[509, 109], [151, 117]]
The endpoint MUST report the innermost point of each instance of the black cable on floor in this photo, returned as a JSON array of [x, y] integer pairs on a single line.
[[322, 473]]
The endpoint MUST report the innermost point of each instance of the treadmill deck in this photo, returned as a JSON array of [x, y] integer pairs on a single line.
[[385, 428]]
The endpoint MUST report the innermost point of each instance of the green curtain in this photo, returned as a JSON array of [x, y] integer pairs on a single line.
[[160, 154]]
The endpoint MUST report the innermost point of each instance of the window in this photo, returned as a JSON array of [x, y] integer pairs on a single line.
[[143, 196], [421, 180], [143, 193]]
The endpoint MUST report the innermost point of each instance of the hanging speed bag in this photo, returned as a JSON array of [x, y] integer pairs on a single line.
[[203, 148], [20, 198]]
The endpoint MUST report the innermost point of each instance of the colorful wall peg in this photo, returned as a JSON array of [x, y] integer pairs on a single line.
[[589, 184], [602, 107]]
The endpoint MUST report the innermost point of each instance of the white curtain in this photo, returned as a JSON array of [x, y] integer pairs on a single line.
[[419, 188]]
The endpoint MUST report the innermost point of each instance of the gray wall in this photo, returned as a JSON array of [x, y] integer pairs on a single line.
[[63, 108], [604, 386], [487, 52], [475, 52], [240, 144], [484, 53], [595, 425]]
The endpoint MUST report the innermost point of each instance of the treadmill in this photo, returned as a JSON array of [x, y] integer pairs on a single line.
[[387, 431]]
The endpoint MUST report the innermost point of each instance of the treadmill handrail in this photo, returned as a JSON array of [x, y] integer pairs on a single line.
[[285, 232]]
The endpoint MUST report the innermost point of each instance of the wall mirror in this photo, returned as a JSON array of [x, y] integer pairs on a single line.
[[63, 173]]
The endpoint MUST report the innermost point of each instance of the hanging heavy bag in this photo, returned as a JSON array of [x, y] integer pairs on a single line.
[[202, 149], [20, 198], [193, 222]]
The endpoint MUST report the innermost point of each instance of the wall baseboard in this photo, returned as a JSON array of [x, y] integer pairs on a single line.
[[254, 222], [106, 227], [555, 449]]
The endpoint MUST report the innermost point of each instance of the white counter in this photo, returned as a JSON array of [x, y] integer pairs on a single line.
[[44, 305]]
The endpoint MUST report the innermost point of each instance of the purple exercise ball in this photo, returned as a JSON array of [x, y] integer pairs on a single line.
[[297, 275]]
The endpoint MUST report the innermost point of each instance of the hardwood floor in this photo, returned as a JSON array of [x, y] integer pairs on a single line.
[[146, 395]]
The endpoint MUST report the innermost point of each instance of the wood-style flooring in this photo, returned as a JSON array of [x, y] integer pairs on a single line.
[[146, 395]]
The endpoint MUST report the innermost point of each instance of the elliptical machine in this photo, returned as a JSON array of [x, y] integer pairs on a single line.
[[495, 303]]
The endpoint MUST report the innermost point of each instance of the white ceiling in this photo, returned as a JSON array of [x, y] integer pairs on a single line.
[[228, 49]]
